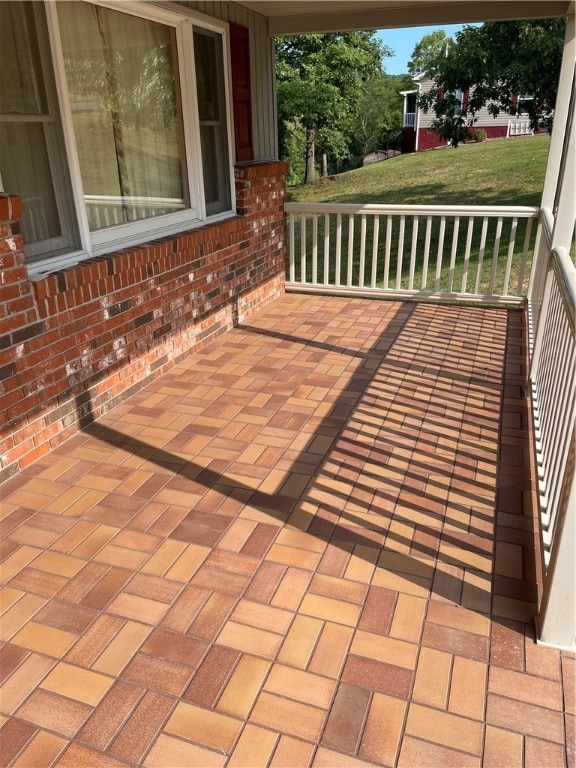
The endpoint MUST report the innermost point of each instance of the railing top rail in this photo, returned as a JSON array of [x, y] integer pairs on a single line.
[[566, 273], [506, 211]]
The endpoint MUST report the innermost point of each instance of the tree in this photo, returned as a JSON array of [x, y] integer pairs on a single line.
[[494, 64], [319, 85], [379, 118], [427, 51]]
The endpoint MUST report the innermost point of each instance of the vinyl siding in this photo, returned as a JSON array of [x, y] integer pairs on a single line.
[[483, 117]]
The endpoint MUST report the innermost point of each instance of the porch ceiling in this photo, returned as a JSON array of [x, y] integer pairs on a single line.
[[301, 16]]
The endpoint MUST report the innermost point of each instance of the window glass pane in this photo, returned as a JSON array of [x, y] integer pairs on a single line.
[[122, 84], [30, 177], [31, 141], [212, 112], [21, 86]]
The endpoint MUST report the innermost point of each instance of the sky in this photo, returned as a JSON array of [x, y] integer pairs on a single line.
[[402, 41]]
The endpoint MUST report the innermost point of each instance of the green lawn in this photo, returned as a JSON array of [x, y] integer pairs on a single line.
[[503, 172], [507, 172]]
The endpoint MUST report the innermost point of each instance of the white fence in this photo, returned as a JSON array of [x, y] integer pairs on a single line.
[[470, 252]]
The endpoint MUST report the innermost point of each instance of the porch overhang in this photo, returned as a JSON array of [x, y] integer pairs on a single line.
[[291, 17]]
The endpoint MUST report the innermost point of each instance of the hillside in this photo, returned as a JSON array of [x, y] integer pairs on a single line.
[[501, 172]]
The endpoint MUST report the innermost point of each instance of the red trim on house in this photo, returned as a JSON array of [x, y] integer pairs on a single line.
[[241, 92]]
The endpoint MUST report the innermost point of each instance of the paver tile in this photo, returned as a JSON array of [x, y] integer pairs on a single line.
[[54, 713], [243, 686], [301, 686], [288, 716], [383, 730], [443, 728], [346, 718], [170, 752], [210, 729], [310, 543], [77, 683], [43, 749]]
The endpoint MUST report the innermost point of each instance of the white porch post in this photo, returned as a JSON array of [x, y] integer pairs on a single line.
[[561, 114]]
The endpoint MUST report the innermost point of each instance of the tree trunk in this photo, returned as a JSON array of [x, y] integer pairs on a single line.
[[310, 156], [324, 165]]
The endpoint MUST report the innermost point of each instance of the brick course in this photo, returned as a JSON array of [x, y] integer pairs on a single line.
[[74, 343]]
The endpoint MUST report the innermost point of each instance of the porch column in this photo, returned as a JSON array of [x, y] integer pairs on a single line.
[[564, 105]]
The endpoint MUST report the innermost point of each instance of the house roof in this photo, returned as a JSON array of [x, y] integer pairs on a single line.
[[300, 16]]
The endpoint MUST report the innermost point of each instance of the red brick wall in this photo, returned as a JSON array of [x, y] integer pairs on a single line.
[[74, 343]]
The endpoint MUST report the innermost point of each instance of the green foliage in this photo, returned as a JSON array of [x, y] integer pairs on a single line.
[[320, 83], [479, 134], [505, 172], [427, 51], [496, 63], [380, 111]]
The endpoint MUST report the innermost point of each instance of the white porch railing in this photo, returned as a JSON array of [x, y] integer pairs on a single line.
[[480, 253], [409, 120], [553, 374], [518, 126]]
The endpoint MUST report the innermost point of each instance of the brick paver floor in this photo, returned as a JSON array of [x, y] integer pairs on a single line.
[[310, 543]]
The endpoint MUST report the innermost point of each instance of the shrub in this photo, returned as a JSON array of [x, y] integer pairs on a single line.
[[480, 135]]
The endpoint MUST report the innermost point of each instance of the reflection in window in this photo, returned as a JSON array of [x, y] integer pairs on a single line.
[[212, 112], [31, 142], [121, 72]]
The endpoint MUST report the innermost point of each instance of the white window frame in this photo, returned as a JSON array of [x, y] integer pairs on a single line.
[[117, 237]]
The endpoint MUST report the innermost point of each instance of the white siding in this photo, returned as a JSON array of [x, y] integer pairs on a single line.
[[262, 71], [483, 116]]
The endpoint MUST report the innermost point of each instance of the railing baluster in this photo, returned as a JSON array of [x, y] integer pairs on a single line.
[[467, 254], [522, 270], [375, 237], [350, 249], [315, 248], [426, 252], [303, 250], [362, 250], [413, 253], [481, 254], [440, 252], [495, 256], [338, 247], [291, 246], [400, 252], [453, 253], [409, 264], [326, 248], [511, 246], [387, 253]]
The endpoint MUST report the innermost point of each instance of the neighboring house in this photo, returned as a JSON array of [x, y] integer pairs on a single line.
[[418, 133]]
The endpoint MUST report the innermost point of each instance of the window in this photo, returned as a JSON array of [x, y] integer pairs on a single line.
[[131, 137], [32, 157], [524, 104]]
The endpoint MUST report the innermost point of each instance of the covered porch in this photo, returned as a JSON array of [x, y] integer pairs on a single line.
[[313, 542]]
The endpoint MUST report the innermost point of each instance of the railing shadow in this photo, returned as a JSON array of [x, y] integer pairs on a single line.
[[448, 507]]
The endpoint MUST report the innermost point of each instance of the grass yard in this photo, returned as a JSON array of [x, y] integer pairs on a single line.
[[505, 172], [502, 172]]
